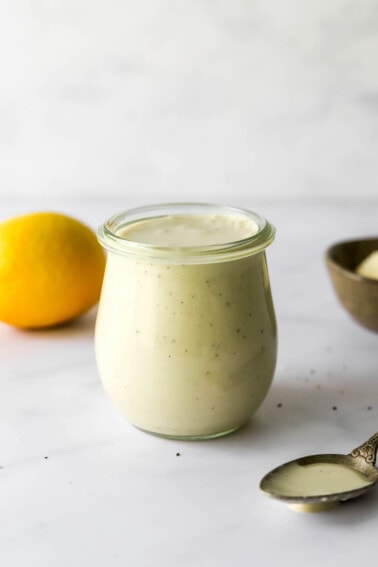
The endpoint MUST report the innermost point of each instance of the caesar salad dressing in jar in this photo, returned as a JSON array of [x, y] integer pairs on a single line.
[[186, 332]]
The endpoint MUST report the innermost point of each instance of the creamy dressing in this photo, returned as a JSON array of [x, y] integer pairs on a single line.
[[316, 479], [190, 230], [186, 350]]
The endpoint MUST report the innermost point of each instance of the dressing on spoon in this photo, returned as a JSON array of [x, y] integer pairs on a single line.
[[319, 482]]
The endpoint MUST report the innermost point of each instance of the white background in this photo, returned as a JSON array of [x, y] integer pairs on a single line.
[[188, 100], [268, 104]]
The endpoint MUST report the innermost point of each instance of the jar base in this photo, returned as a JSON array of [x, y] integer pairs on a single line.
[[195, 437]]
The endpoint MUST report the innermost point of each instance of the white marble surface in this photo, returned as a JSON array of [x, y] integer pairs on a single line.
[[187, 100], [80, 486]]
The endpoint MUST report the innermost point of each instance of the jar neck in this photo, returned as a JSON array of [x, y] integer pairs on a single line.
[[112, 234]]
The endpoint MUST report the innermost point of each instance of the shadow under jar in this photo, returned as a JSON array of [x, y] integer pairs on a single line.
[[186, 338]]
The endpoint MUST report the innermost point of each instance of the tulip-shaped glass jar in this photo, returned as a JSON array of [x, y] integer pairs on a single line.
[[186, 336]]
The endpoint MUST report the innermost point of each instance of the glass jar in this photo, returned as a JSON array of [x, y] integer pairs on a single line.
[[186, 335]]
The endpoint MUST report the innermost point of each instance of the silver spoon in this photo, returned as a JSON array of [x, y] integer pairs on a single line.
[[319, 482]]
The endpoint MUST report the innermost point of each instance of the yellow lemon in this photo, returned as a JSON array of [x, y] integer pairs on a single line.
[[51, 269]]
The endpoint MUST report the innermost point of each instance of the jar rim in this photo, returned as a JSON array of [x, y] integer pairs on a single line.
[[110, 239]]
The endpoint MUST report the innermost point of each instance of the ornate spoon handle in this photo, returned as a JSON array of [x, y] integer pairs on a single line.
[[367, 451]]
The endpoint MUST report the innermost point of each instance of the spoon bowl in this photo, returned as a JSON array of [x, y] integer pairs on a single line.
[[319, 482]]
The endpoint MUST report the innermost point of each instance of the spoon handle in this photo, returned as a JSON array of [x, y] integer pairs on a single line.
[[367, 451]]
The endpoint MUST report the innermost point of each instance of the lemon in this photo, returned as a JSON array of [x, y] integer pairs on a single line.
[[51, 269], [369, 266]]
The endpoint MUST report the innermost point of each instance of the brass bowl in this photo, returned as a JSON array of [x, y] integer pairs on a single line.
[[358, 294]]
